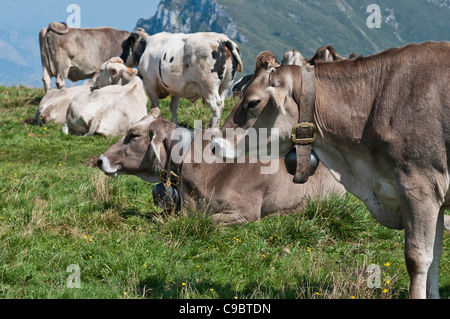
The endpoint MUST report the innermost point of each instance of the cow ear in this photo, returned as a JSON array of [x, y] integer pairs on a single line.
[[156, 146], [279, 97]]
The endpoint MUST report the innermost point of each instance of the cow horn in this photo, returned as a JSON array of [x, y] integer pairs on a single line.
[[266, 60]]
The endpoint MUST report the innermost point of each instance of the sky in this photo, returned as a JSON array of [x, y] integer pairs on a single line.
[[21, 21], [32, 15]]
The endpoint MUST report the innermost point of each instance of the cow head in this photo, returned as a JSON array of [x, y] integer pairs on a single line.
[[134, 47], [113, 72], [142, 151], [270, 100], [293, 57]]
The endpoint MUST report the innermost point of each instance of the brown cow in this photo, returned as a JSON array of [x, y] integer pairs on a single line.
[[76, 54], [236, 192], [383, 131]]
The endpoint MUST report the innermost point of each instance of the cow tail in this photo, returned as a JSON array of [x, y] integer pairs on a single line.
[[237, 56], [47, 62]]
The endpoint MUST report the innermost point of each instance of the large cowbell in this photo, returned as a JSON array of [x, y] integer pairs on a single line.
[[290, 160], [166, 197]]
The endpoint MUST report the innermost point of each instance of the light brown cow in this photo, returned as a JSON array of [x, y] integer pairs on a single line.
[[236, 193], [76, 54], [383, 131], [53, 106], [118, 103]]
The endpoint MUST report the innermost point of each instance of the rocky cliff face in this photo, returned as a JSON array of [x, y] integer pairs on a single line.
[[191, 16]]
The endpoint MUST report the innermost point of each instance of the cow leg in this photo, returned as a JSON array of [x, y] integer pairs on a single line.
[[228, 218], [433, 271], [175, 101], [47, 80], [216, 105], [152, 94], [420, 218], [61, 78]]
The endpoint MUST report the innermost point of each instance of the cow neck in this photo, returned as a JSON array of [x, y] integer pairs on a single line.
[[304, 133]]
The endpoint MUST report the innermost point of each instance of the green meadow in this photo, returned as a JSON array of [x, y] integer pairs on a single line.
[[62, 219]]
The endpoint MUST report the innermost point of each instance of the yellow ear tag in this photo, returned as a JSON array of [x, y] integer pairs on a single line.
[[130, 70]]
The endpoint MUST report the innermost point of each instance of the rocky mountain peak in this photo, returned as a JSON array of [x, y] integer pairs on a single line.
[[191, 16]]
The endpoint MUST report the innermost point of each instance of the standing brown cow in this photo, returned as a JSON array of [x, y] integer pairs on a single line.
[[383, 129], [76, 54]]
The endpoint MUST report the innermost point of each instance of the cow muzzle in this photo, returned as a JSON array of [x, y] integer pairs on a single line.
[[104, 165]]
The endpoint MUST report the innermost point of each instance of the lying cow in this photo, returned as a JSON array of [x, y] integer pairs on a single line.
[[382, 125], [236, 192], [76, 54], [53, 106], [198, 65], [118, 102]]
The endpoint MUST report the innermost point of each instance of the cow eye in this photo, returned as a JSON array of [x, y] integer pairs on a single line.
[[253, 104], [131, 137]]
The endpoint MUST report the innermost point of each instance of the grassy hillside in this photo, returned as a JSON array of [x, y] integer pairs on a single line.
[[57, 210], [279, 26]]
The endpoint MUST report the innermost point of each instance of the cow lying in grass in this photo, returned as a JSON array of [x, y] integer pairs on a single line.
[[236, 193], [53, 107], [118, 103]]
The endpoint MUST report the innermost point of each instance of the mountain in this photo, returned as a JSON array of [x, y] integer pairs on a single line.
[[280, 25]]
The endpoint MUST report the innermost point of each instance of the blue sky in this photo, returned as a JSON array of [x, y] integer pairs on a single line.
[[32, 15], [21, 21]]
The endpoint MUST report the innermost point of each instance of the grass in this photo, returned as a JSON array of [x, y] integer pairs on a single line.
[[57, 210]]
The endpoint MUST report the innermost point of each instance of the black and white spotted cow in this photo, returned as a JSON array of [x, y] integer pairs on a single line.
[[198, 65]]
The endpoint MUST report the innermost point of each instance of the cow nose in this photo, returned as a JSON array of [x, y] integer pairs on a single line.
[[99, 162]]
